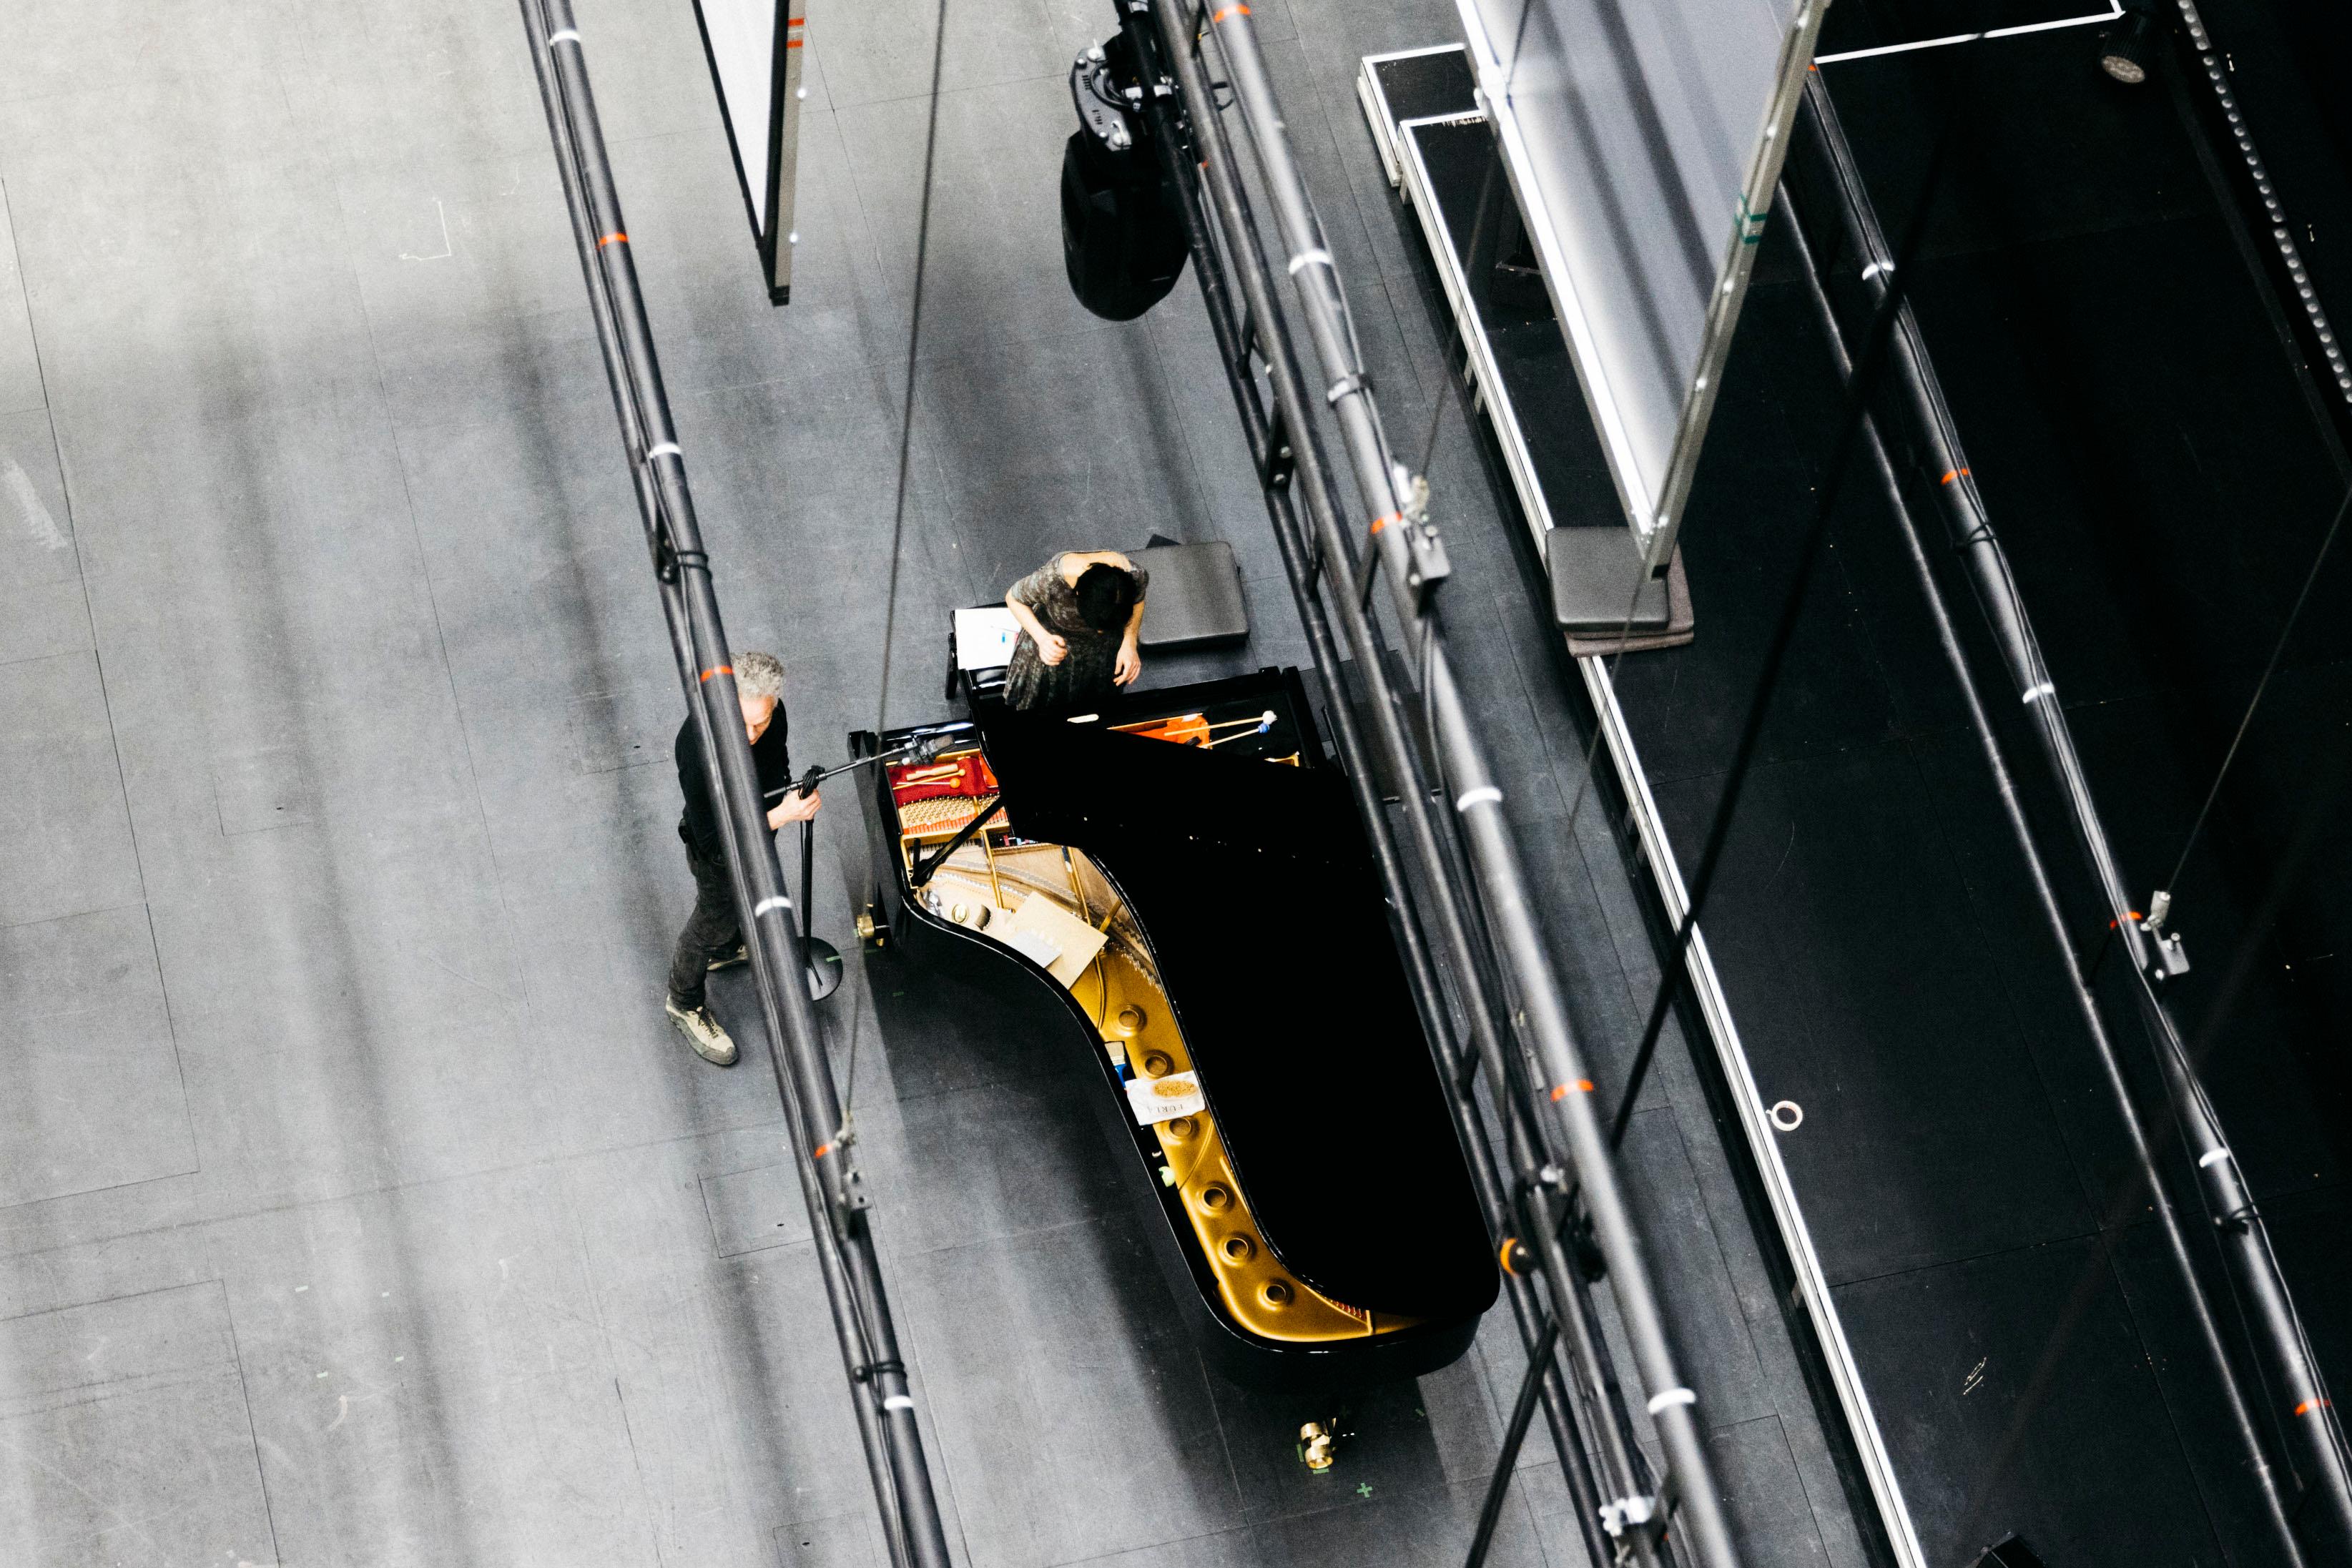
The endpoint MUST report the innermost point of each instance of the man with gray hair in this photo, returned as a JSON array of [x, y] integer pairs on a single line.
[[713, 937]]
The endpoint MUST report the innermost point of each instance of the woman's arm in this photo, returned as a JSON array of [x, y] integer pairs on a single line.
[[1130, 662], [1051, 649]]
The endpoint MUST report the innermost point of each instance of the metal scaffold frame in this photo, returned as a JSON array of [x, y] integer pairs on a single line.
[[838, 1218], [1552, 1191], [1485, 985], [2299, 1408]]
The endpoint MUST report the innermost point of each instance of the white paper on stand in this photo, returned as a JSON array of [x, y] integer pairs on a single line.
[[985, 637]]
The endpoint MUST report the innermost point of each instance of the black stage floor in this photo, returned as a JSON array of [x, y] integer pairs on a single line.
[[2161, 479]]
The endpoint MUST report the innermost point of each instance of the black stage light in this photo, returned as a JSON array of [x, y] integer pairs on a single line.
[[2125, 53], [1122, 228]]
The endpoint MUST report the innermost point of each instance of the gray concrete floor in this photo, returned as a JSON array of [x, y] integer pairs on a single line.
[[357, 1206]]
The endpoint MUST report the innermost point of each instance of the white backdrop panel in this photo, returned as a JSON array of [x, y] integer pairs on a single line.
[[742, 38], [1643, 138]]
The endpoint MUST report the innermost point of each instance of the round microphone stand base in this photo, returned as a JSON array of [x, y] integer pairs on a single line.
[[823, 967], [822, 958]]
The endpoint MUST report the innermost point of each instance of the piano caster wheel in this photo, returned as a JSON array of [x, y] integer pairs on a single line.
[[868, 932], [1315, 1445]]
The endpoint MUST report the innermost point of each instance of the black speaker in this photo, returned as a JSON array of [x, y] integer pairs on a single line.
[[1122, 237]]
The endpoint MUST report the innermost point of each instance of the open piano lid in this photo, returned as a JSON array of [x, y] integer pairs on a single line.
[[1253, 883]]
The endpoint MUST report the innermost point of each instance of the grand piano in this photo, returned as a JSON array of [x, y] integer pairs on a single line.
[[1181, 885]]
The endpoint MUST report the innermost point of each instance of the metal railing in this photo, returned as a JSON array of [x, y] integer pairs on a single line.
[[1551, 1191], [2302, 1413], [839, 1221]]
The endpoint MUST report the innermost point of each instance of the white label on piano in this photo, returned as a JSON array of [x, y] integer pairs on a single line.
[[1035, 945], [1165, 1099]]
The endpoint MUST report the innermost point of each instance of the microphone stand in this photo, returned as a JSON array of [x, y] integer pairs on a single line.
[[820, 959]]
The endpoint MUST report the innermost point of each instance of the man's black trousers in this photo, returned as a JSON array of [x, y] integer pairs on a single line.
[[712, 931]]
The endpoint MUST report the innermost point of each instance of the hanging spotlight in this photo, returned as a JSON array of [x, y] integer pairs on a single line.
[[2125, 53]]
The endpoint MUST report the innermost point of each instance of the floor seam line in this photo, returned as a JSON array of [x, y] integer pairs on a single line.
[[252, 1432], [105, 695]]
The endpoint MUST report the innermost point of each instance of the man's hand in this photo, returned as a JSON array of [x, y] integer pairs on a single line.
[[1051, 648], [1129, 664], [796, 808]]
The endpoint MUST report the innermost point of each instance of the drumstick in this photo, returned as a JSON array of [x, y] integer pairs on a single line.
[[1264, 722]]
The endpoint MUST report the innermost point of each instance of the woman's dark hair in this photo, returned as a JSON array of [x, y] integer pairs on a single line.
[[1106, 594]]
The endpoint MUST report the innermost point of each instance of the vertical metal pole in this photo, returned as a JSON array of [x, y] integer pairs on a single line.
[[1356, 763], [1499, 1485], [1226, 323], [1409, 552], [803, 1076], [674, 612], [2053, 918], [2315, 1438]]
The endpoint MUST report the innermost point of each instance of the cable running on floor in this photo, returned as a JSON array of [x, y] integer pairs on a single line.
[[899, 502], [1453, 338], [1867, 370], [2327, 543], [1455, 342], [848, 1259], [2144, 1183], [914, 347]]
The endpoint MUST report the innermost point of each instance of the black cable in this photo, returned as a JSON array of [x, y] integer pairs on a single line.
[[1477, 228], [1833, 477], [906, 454], [2316, 814], [914, 345], [2327, 543], [2123, 1196], [1455, 340]]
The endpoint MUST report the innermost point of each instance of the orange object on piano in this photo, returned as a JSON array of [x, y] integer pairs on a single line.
[[1183, 729], [967, 775]]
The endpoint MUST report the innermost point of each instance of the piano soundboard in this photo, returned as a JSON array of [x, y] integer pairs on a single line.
[[1054, 905]]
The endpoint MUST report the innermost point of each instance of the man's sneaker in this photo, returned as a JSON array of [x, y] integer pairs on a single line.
[[739, 953], [702, 1032]]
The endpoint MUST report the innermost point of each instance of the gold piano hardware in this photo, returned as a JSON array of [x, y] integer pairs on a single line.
[[1262, 1296], [1121, 995]]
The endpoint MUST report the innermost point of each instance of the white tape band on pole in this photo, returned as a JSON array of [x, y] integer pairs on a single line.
[[1485, 795], [774, 901], [1659, 1401]]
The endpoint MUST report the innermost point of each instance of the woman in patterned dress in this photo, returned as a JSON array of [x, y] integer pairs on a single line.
[[1080, 614]]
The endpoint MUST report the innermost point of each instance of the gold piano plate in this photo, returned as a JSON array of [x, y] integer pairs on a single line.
[[982, 887]]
